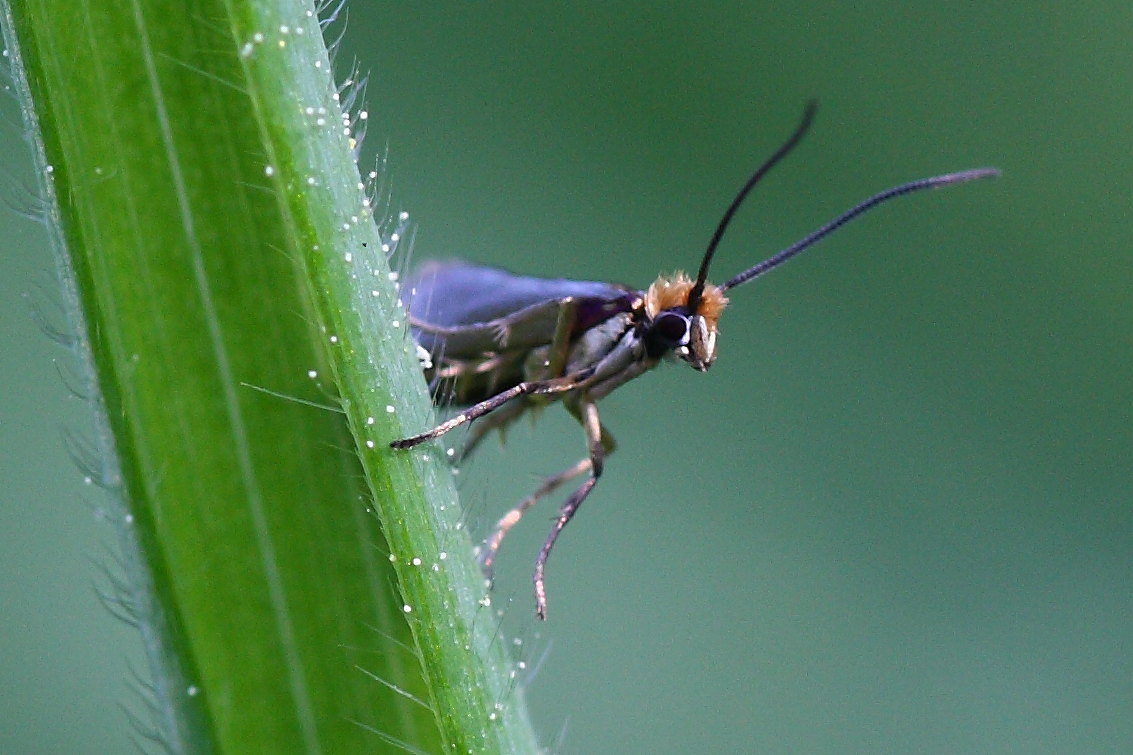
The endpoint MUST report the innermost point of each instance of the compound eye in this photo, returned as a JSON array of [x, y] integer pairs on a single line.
[[671, 328]]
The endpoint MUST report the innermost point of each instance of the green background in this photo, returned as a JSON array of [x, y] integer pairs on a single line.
[[896, 515]]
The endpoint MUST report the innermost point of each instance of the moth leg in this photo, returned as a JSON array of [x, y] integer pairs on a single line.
[[498, 420], [562, 384], [549, 485], [596, 454], [560, 341], [510, 519], [557, 353], [608, 442]]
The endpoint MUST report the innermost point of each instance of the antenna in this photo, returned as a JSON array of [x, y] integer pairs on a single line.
[[701, 276], [862, 207]]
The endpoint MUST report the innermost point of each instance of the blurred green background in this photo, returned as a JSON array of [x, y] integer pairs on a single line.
[[897, 515]]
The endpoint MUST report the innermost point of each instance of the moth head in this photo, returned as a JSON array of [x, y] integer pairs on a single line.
[[674, 327]]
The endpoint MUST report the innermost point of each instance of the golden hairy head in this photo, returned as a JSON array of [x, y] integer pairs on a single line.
[[690, 336], [669, 293]]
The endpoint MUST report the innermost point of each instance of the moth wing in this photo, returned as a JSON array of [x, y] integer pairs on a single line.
[[464, 311], [525, 329]]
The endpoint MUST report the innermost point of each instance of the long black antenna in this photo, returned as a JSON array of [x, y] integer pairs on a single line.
[[760, 172], [813, 238]]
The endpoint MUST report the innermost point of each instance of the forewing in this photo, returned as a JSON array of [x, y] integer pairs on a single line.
[[465, 311]]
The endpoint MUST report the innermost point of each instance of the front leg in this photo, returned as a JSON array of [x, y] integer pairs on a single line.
[[552, 381], [554, 386], [553, 366]]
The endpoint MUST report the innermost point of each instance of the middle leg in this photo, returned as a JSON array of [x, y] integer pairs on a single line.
[[596, 454], [549, 485]]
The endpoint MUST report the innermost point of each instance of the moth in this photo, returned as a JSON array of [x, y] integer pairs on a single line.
[[502, 344]]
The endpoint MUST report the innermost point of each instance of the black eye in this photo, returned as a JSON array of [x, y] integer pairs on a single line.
[[672, 327], [667, 331]]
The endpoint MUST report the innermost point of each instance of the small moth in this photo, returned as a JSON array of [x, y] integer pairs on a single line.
[[502, 344]]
